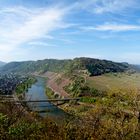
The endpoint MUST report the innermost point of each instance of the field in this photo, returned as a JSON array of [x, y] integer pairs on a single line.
[[115, 81]]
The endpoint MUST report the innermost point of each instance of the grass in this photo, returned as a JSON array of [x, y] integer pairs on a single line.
[[113, 81], [88, 100], [50, 93]]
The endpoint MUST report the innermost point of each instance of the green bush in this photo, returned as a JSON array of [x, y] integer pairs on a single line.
[[88, 100]]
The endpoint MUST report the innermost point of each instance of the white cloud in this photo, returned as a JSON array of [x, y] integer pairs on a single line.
[[20, 25], [114, 6], [40, 43], [115, 27], [106, 6]]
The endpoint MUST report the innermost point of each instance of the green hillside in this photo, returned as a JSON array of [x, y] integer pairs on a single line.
[[89, 66]]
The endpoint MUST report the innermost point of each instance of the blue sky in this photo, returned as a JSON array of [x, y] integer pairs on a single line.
[[39, 29]]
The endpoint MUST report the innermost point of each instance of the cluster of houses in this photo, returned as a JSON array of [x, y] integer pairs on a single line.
[[8, 83]]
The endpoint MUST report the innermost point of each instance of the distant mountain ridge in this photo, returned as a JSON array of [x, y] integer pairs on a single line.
[[88, 65], [2, 63]]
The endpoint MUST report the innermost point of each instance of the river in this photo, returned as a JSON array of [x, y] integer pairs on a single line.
[[37, 92]]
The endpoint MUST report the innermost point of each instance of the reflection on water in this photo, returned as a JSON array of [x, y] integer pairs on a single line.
[[37, 92]]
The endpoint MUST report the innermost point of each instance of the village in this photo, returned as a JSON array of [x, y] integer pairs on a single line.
[[9, 82]]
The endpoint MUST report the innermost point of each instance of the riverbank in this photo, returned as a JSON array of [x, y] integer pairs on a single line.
[[23, 87], [44, 109], [56, 82], [54, 89]]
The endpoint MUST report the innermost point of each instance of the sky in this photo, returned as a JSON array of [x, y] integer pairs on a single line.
[[63, 29]]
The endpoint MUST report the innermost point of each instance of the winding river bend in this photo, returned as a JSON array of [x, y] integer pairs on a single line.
[[37, 92]]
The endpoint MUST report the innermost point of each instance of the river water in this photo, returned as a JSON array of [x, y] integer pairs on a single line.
[[37, 92]]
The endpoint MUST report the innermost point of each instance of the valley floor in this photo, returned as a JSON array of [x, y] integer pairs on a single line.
[[115, 81]]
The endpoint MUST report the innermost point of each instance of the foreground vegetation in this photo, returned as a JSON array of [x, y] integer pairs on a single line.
[[114, 115]]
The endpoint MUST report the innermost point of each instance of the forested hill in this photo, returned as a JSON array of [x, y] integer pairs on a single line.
[[87, 65]]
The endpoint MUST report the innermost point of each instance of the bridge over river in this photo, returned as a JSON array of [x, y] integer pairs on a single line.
[[13, 99], [36, 105], [37, 101]]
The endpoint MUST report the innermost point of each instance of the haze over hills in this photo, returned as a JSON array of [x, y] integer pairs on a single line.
[[90, 66], [2, 63]]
